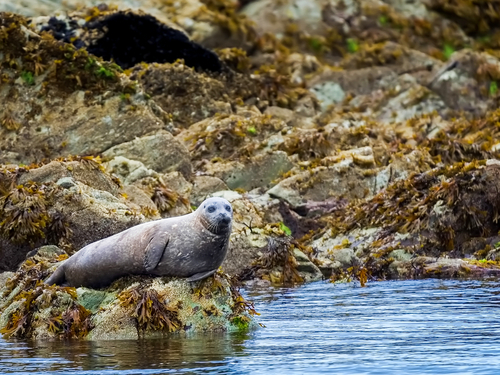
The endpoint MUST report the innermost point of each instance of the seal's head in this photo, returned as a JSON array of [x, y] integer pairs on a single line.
[[216, 215]]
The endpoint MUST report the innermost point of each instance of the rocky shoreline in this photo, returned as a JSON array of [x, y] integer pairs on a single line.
[[356, 140]]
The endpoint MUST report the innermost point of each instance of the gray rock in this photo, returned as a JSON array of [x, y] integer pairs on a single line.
[[66, 182], [307, 269], [128, 171], [159, 151], [203, 186], [259, 171], [70, 172]]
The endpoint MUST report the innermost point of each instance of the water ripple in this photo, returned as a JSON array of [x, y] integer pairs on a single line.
[[405, 327]]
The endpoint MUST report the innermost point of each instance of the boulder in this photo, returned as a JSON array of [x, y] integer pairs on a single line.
[[131, 308], [160, 152]]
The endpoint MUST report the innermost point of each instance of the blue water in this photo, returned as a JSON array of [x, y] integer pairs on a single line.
[[394, 327]]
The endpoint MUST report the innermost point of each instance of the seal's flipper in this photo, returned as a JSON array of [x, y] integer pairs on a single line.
[[154, 251], [201, 275], [58, 277]]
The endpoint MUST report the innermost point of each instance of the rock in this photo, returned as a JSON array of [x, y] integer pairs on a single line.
[[138, 199], [272, 17], [62, 211], [345, 177], [160, 152], [77, 113], [203, 186], [188, 96], [4, 276], [328, 93], [462, 83], [67, 173], [307, 269], [131, 308], [129, 171], [425, 245], [294, 118], [50, 252], [259, 171], [402, 72]]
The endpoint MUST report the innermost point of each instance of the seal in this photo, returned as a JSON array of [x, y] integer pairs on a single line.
[[192, 246]]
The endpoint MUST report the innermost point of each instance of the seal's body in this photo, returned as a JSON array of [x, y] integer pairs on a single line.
[[191, 246]]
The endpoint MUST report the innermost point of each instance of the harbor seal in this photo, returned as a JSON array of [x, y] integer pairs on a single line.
[[192, 246]]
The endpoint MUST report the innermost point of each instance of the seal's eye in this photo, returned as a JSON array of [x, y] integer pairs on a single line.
[[211, 209], [228, 208]]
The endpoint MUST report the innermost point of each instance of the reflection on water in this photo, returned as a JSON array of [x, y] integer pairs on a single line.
[[409, 327], [194, 354]]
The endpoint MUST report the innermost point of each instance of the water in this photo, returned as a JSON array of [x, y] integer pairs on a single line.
[[400, 327]]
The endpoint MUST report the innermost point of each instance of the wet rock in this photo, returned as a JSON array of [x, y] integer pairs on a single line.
[[307, 269], [160, 152]]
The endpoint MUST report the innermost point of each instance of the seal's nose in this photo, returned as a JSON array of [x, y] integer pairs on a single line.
[[225, 219]]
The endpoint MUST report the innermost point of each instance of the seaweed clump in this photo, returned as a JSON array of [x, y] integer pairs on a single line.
[[150, 310], [28, 55], [32, 303], [277, 262], [25, 216], [449, 211]]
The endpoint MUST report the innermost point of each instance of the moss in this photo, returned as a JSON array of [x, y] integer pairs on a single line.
[[28, 78], [352, 45], [493, 88], [448, 50], [242, 323]]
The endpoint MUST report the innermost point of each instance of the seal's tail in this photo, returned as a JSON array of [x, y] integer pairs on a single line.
[[58, 277]]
